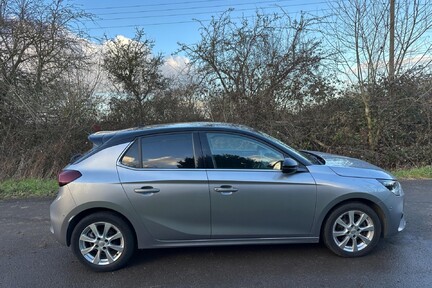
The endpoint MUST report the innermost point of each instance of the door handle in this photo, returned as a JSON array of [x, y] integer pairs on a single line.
[[226, 189], [147, 190]]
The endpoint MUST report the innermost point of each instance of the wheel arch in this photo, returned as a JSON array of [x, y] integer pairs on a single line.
[[81, 215], [372, 204]]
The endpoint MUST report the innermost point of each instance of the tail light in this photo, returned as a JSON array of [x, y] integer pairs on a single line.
[[67, 176]]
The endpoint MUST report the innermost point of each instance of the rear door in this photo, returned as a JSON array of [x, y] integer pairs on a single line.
[[160, 176]]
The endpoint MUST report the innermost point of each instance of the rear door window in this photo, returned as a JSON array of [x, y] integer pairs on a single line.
[[168, 151], [165, 151]]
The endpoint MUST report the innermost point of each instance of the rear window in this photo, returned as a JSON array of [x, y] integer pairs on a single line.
[[76, 158]]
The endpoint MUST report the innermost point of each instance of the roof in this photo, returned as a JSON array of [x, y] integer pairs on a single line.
[[179, 126], [118, 136]]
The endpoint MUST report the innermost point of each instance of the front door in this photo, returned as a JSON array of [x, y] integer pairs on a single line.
[[250, 196]]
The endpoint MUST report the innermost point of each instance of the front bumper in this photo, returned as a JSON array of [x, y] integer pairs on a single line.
[[396, 221], [402, 223]]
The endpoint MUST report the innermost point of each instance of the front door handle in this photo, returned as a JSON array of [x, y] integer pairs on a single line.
[[146, 190], [226, 189]]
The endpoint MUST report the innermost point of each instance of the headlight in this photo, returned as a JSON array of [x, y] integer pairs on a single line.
[[393, 186]]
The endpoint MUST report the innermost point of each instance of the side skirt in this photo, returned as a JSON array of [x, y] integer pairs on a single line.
[[239, 241]]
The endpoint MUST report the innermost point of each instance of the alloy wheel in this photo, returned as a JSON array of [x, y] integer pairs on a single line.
[[101, 243], [353, 231]]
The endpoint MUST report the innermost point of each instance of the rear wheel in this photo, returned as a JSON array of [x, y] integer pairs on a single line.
[[103, 242], [352, 230]]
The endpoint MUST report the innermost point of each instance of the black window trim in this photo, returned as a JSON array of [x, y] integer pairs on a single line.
[[140, 166], [198, 151]]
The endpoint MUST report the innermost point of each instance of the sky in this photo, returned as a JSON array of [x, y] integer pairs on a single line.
[[167, 22]]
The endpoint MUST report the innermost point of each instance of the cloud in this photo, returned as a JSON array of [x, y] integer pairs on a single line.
[[122, 39], [118, 41], [175, 66]]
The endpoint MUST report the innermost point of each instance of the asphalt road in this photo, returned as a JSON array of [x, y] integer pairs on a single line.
[[30, 257]]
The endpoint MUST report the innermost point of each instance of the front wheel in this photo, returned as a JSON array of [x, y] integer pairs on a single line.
[[352, 230], [103, 242]]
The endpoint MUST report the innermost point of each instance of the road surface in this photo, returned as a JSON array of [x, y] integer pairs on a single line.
[[30, 257]]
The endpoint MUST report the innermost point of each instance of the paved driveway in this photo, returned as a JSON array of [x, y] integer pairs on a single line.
[[30, 257]]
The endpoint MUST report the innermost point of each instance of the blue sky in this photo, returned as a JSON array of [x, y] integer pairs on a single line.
[[170, 21]]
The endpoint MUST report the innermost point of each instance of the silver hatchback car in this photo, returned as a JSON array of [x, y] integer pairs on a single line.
[[195, 184]]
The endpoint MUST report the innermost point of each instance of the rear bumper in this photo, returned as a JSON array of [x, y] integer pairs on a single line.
[[60, 207]]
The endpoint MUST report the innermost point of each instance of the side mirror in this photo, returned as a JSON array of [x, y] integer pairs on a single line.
[[289, 166]]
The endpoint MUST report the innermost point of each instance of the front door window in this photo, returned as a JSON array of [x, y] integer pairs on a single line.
[[231, 151]]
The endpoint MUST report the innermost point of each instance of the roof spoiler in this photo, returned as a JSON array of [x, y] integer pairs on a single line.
[[101, 137]]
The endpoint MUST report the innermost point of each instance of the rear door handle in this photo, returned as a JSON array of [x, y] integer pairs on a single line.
[[147, 190], [226, 189]]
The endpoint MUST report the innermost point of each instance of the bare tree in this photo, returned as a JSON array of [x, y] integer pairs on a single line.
[[253, 67], [131, 65], [45, 100], [359, 33], [37, 48]]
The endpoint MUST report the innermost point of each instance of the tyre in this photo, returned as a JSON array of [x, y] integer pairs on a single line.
[[103, 242], [352, 230]]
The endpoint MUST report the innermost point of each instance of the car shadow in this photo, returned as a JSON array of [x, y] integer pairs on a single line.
[[228, 253]]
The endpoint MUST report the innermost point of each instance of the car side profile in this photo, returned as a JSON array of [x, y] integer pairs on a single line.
[[196, 184]]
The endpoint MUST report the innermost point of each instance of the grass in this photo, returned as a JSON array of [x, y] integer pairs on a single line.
[[424, 172], [27, 188]]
